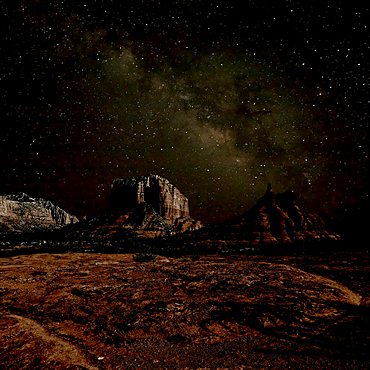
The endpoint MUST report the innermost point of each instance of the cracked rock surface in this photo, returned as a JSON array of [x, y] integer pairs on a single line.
[[111, 311]]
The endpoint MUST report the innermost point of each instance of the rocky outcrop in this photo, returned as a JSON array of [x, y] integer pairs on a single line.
[[139, 221], [151, 206], [22, 213], [142, 207], [279, 219], [155, 190]]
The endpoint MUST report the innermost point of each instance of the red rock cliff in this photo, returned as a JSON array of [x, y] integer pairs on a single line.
[[154, 190]]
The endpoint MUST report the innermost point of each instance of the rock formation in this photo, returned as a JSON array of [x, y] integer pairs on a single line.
[[145, 206], [164, 197], [21, 213], [278, 219]]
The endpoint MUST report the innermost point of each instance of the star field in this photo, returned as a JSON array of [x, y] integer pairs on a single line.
[[219, 98]]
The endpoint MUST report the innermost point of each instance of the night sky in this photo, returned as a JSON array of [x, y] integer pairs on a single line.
[[219, 98]]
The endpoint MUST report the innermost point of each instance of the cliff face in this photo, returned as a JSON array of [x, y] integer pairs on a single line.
[[146, 206], [21, 213], [154, 190]]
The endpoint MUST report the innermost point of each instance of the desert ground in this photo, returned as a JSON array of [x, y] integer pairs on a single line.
[[127, 311]]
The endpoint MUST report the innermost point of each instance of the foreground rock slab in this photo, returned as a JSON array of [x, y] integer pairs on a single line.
[[105, 311]]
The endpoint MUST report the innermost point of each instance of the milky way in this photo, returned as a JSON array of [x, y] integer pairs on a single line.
[[220, 124], [219, 116]]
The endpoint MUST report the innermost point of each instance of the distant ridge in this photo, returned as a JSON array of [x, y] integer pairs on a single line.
[[21, 213], [150, 207]]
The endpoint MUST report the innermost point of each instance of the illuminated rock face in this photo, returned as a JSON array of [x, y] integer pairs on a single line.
[[22, 213], [154, 190], [150, 206]]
